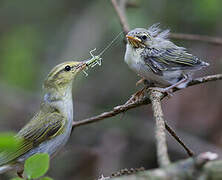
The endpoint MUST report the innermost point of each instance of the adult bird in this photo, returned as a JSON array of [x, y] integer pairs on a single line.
[[162, 64], [50, 128]]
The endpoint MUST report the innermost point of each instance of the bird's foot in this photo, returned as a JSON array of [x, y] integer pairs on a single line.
[[136, 96], [140, 81], [168, 91]]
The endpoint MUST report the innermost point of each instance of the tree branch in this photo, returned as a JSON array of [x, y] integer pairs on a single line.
[[143, 101], [162, 154], [200, 168], [175, 136], [121, 14], [196, 37], [188, 169], [191, 37]]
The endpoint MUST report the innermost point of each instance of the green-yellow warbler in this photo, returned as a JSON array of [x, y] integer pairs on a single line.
[[50, 128]]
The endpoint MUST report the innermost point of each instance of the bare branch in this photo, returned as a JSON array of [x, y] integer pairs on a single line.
[[120, 10], [144, 101], [121, 14], [173, 133], [191, 37], [202, 167], [162, 154], [196, 37]]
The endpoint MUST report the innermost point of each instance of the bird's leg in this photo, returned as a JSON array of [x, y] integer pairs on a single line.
[[20, 173], [142, 80], [168, 89], [136, 96], [139, 94]]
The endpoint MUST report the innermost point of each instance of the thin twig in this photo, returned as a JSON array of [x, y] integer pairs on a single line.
[[121, 15], [144, 101], [162, 153], [124, 23], [173, 133], [182, 36], [197, 37], [202, 167]]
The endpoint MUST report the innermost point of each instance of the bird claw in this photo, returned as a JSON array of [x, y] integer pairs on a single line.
[[140, 81], [162, 90], [136, 96]]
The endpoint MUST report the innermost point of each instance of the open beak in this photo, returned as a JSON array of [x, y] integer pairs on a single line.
[[81, 66], [135, 41]]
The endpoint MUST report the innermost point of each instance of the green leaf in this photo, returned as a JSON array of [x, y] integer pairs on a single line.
[[8, 141], [46, 178], [17, 178], [37, 165]]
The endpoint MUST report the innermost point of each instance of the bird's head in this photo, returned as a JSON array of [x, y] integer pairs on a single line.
[[141, 37], [61, 76], [138, 38]]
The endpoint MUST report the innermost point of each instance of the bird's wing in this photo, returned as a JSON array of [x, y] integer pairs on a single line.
[[171, 59], [35, 132]]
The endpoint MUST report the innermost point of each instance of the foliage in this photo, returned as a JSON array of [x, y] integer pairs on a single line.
[[36, 166], [36, 36], [17, 178], [46, 178]]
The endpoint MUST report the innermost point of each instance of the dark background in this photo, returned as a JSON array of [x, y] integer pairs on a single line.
[[37, 35]]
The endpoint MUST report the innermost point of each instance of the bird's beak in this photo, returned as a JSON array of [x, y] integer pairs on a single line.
[[81, 66], [135, 41], [86, 63]]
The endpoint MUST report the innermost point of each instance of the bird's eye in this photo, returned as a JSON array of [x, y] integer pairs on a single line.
[[144, 37], [67, 68]]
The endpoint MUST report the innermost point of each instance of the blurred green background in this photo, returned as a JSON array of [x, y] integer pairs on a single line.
[[37, 35]]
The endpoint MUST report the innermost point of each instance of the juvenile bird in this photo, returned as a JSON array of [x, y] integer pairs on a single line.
[[50, 128], [159, 61]]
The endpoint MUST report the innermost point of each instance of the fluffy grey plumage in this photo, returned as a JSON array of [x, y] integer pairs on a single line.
[[154, 57]]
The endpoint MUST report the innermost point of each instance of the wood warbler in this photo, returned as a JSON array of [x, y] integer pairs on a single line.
[[50, 128], [159, 61]]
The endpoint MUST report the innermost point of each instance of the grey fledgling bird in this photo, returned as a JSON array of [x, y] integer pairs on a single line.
[[159, 61]]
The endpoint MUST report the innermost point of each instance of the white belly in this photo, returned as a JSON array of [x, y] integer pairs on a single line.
[[132, 58]]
